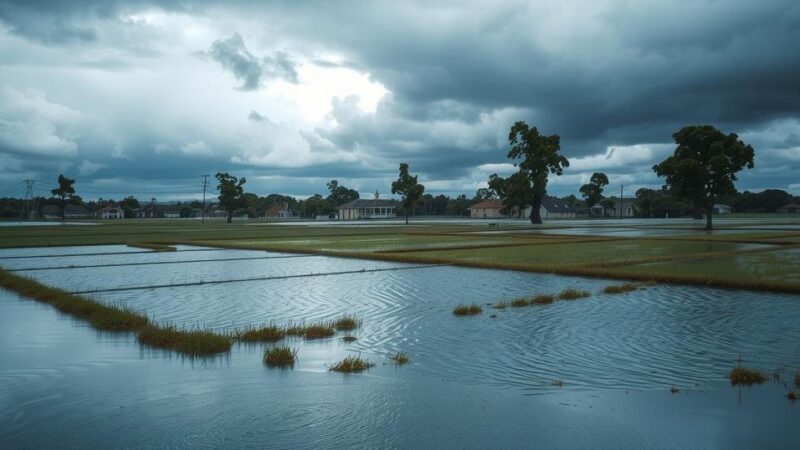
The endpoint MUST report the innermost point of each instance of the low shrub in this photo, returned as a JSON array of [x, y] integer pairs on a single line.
[[352, 364]]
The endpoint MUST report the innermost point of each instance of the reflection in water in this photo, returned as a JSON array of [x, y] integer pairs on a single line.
[[617, 356]]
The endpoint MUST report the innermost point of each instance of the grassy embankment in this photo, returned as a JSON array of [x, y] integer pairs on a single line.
[[747, 255]]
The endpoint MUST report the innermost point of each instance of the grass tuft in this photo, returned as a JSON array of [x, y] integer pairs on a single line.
[[346, 323], [400, 358], [797, 378], [320, 330], [269, 333], [520, 302], [352, 364], [500, 305], [191, 342], [543, 299], [744, 376], [280, 356], [467, 310], [573, 294], [621, 288]]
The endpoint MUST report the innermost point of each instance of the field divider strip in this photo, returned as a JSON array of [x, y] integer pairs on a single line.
[[135, 252], [153, 263], [242, 280]]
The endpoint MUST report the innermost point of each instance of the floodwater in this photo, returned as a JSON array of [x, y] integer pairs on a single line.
[[473, 382]]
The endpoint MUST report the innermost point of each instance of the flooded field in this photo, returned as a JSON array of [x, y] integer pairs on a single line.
[[596, 372]]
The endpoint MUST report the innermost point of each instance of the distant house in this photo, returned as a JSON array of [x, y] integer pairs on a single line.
[[150, 211], [553, 208], [790, 208], [50, 212], [367, 209], [76, 212], [111, 212], [172, 214], [486, 209], [721, 208], [627, 205], [278, 211]]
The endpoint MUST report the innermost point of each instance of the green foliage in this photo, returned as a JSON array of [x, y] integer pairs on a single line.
[[188, 342], [593, 190], [269, 333], [704, 165], [64, 191], [231, 193], [538, 157], [339, 195], [408, 188], [573, 294], [514, 191]]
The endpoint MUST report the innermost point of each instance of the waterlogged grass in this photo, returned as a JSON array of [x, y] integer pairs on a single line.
[[280, 356], [621, 288], [346, 323], [320, 330], [543, 299], [154, 246], [352, 364], [467, 310], [573, 294], [188, 342], [743, 376], [520, 302], [349, 339], [797, 379], [269, 333], [99, 315], [400, 358]]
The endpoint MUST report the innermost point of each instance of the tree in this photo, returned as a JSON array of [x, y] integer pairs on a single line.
[[339, 195], [63, 192], [593, 190], [484, 194], [704, 166], [408, 188], [539, 158], [231, 193], [128, 204], [514, 192]]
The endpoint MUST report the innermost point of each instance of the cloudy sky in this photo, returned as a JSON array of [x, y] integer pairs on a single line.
[[144, 97]]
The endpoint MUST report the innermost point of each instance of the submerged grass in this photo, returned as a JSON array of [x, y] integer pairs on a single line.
[[189, 342], [797, 378], [743, 376], [467, 310], [573, 294], [154, 246], [543, 299], [269, 333], [99, 315], [520, 302], [400, 358], [280, 356], [352, 364], [500, 305]]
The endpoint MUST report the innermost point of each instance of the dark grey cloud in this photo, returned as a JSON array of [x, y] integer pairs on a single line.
[[459, 74], [251, 71]]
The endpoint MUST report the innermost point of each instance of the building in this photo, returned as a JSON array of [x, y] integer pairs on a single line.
[[50, 212], [553, 208], [172, 214], [76, 212], [150, 211], [278, 211], [367, 209], [627, 205], [486, 209], [790, 208], [721, 208], [111, 212]]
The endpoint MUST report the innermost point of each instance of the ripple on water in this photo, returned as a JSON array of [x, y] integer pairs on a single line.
[[650, 338]]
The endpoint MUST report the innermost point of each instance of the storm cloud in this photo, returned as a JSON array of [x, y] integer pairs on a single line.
[[290, 94]]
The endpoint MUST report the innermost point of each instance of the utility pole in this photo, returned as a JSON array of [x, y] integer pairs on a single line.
[[203, 213], [26, 208], [621, 186]]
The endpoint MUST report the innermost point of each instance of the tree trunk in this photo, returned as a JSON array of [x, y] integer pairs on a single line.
[[407, 211], [230, 216], [536, 204], [709, 213]]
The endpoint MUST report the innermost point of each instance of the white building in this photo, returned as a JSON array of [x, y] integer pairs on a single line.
[[720, 208], [367, 209], [112, 212]]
